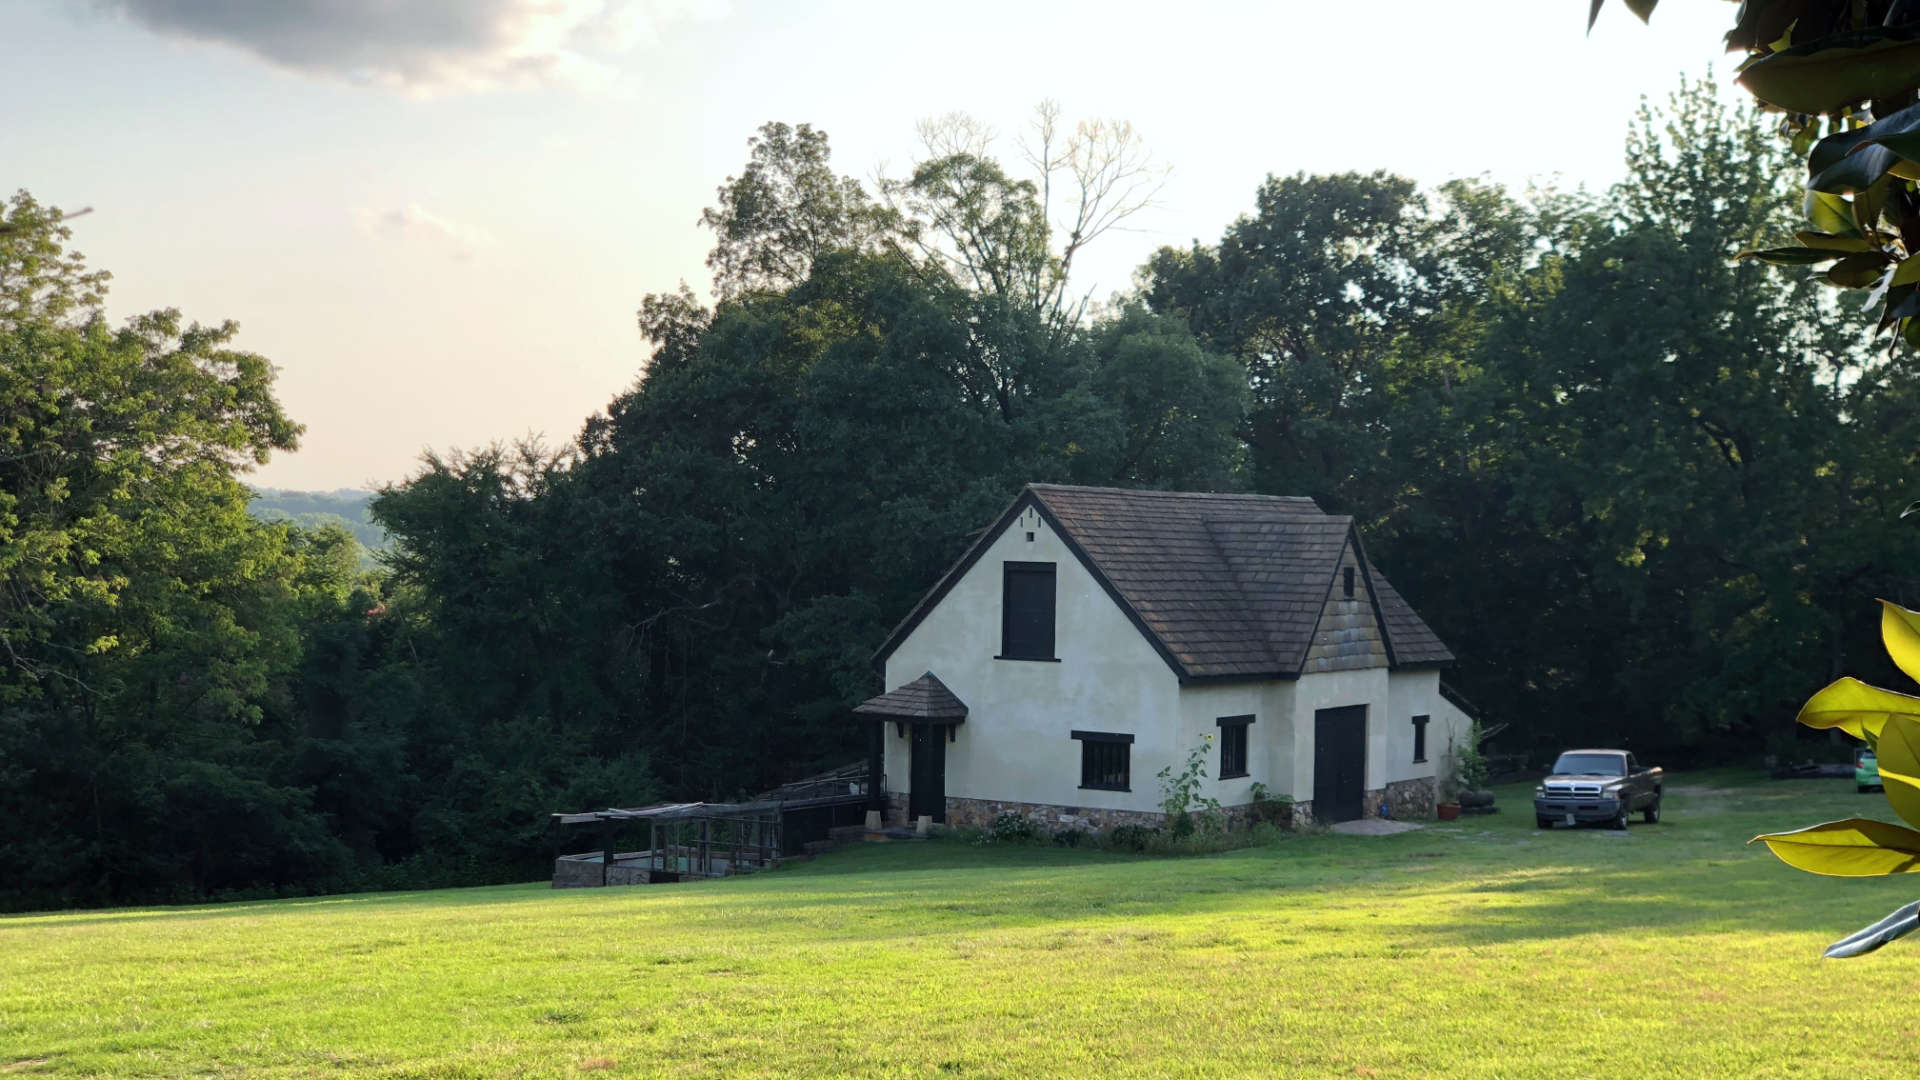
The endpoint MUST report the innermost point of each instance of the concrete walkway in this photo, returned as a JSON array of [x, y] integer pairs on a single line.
[[1372, 827]]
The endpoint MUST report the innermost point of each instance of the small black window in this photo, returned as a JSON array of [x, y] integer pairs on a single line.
[[1104, 760], [1346, 582], [1420, 738], [1026, 612], [1233, 745]]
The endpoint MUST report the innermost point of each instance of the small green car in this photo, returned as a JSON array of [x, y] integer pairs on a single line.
[[1866, 770]]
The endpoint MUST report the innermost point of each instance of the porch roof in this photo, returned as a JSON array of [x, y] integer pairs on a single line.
[[925, 700]]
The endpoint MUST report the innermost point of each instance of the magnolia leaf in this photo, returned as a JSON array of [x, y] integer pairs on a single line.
[[1912, 508], [1858, 271], [1838, 70], [1902, 303], [1910, 330], [1642, 8], [1898, 751], [1907, 272], [1828, 242], [1855, 847], [1790, 256], [1855, 708], [1853, 160], [1830, 214], [1868, 203], [1897, 925], [1760, 22], [1900, 633]]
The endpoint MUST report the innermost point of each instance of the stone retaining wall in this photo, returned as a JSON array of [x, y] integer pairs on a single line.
[[1412, 799], [979, 813]]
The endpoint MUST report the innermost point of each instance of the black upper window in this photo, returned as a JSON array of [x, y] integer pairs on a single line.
[[1419, 738], [1026, 612], [1104, 760], [1233, 745], [1346, 582]]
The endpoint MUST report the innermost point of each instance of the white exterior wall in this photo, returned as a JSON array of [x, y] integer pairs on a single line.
[[1269, 739], [1016, 744], [1417, 693]]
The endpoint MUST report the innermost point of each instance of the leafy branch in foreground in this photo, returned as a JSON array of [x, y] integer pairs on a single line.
[[1845, 74], [1858, 847]]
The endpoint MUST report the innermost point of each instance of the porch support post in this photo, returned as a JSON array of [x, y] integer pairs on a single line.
[[876, 757]]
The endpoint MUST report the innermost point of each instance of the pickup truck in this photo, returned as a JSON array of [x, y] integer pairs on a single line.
[[1597, 785]]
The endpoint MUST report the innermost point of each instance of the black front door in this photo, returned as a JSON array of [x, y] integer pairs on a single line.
[[927, 777], [1339, 763]]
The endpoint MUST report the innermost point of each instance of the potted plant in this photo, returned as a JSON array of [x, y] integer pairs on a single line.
[[1462, 785]]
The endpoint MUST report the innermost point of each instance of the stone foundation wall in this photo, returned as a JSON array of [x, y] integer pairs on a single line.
[[1052, 818], [1411, 800], [979, 813]]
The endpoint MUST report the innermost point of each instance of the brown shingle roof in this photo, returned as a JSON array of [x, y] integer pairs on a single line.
[[1223, 585], [924, 699]]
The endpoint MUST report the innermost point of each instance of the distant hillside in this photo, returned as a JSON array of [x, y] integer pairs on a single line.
[[311, 509]]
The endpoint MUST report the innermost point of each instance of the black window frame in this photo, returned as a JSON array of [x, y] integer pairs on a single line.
[[1233, 739], [1420, 738], [1099, 751], [1011, 649]]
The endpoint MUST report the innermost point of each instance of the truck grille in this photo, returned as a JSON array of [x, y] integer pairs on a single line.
[[1573, 791]]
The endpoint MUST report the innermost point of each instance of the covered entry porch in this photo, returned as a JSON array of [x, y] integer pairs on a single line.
[[928, 715]]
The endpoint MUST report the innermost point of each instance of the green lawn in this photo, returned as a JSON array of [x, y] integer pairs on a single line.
[[1475, 948]]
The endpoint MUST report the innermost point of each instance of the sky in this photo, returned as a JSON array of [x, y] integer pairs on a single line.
[[438, 217]]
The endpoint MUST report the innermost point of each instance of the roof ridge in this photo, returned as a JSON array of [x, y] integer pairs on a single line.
[[1246, 496]]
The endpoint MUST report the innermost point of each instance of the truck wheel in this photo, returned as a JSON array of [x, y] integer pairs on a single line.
[[1620, 819], [1651, 815], [1544, 822]]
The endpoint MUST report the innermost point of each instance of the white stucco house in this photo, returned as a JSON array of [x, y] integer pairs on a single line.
[[1092, 636]]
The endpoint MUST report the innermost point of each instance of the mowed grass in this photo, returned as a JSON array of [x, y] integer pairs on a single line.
[[1480, 948]]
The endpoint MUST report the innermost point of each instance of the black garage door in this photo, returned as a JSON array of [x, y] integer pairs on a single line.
[[1339, 763]]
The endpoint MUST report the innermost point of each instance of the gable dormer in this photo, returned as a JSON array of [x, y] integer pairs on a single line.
[[1347, 636]]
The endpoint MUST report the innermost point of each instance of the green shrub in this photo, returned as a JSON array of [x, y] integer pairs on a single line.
[[1011, 829], [1270, 810], [1180, 795], [1265, 834], [1130, 837]]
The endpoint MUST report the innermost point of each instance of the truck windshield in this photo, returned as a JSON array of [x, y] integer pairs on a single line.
[[1592, 764]]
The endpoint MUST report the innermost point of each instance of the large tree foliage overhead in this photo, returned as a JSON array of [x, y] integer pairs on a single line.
[[1844, 76], [1334, 289]]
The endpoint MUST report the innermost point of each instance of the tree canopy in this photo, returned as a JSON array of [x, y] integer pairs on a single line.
[[1633, 482]]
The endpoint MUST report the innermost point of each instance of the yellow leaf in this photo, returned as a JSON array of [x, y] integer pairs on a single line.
[[1856, 708], [1855, 847], [1899, 754], [1900, 631]]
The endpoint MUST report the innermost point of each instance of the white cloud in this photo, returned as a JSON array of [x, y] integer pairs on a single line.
[[426, 47], [415, 221]]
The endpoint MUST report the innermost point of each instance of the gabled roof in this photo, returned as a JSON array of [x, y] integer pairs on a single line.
[[1223, 586], [925, 700]]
